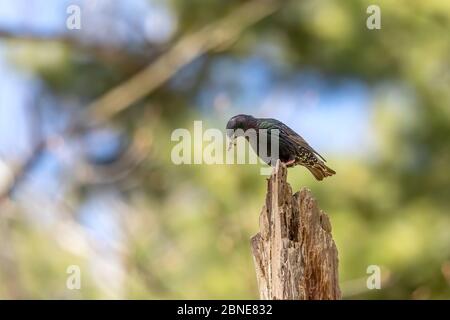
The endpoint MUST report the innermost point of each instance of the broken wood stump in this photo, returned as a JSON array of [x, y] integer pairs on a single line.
[[294, 253]]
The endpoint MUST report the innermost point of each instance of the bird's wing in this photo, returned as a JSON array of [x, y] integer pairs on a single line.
[[270, 124]]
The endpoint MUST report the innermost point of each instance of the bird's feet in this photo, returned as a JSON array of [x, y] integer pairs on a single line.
[[290, 163]]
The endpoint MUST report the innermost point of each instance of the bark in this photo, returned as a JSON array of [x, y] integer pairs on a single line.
[[294, 253]]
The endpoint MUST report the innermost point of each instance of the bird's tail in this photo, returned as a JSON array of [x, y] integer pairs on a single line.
[[320, 170]]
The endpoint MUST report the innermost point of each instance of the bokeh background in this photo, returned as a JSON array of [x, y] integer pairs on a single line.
[[86, 118]]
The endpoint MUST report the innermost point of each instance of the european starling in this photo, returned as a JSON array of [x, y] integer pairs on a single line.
[[293, 149]]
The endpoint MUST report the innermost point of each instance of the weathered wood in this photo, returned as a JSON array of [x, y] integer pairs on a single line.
[[294, 253]]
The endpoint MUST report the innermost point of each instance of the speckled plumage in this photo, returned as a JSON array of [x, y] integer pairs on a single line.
[[293, 149]]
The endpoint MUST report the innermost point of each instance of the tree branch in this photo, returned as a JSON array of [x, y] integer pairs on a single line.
[[294, 253], [216, 36]]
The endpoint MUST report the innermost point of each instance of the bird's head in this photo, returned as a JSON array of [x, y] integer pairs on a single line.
[[239, 123]]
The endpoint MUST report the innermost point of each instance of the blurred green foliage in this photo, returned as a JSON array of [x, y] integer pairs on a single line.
[[188, 227]]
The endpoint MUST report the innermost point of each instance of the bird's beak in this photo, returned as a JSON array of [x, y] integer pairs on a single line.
[[232, 142]]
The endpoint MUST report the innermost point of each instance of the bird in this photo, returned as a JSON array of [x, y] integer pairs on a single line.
[[293, 149]]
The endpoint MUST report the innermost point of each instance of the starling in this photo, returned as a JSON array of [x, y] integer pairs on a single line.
[[293, 149]]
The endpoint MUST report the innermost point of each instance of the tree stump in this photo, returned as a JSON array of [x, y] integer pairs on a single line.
[[294, 253]]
